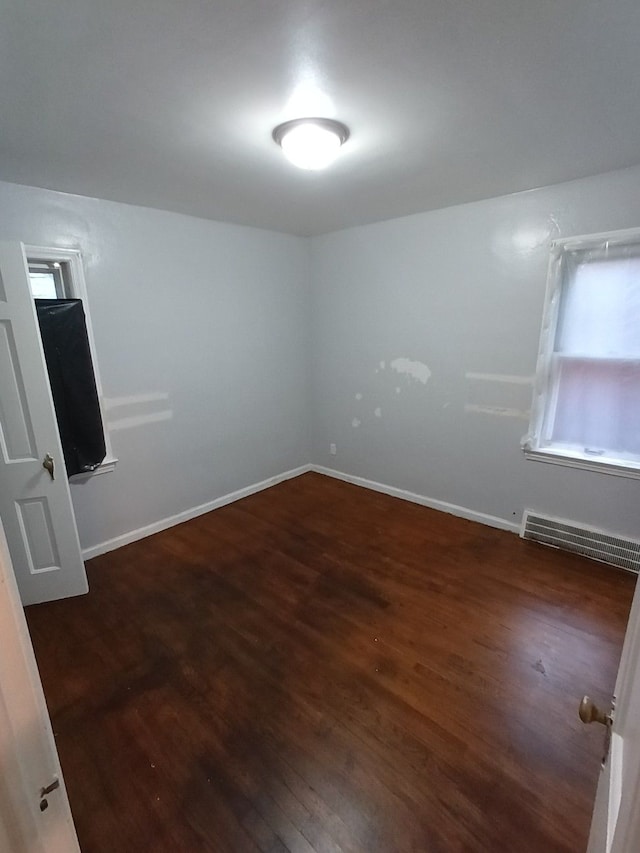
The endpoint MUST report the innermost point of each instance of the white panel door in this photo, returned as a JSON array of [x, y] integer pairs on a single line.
[[35, 507], [30, 821], [615, 826]]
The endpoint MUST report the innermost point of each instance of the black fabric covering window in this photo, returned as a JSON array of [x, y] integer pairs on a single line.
[[73, 386]]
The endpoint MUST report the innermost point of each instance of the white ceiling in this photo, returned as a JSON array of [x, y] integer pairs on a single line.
[[171, 103]]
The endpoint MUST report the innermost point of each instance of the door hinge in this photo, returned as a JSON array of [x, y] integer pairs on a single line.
[[590, 713], [53, 786]]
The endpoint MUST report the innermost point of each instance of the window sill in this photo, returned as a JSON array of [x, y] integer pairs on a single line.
[[105, 467], [575, 460]]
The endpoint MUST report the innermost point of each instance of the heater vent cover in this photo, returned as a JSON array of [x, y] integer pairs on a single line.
[[596, 544]]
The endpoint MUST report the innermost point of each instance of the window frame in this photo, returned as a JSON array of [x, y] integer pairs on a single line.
[[559, 260], [75, 287]]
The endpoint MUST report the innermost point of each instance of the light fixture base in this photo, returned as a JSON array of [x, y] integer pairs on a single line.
[[337, 127]]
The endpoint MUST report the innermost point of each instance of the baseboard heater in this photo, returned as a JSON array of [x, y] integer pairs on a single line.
[[587, 541]]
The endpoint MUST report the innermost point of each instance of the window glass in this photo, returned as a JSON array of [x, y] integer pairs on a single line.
[[598, 407], [600, 313], [43, 285]]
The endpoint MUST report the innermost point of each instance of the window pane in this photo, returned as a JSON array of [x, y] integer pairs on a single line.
[[598, 406], [43, 285], [600, 313]]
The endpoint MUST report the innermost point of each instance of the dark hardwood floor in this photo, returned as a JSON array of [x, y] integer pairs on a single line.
[[323, 668]]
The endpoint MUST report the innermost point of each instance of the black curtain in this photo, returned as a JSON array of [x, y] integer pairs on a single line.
[[73, 385]]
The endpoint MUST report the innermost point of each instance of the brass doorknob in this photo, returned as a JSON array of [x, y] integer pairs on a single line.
[[47, 463], [590, 713]]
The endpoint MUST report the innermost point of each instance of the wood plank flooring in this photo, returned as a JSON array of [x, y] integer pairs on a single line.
[[322, 668]]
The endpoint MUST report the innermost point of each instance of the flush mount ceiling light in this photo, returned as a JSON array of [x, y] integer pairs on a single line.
[[311, 143]]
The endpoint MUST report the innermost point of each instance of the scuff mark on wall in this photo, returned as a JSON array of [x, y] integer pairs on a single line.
[[355, 423], [414, 369]]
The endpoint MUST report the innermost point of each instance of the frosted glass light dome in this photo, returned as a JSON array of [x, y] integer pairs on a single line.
[[311, 143]]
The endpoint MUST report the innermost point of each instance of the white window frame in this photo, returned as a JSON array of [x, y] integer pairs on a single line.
[[560, 252], [76, 286]]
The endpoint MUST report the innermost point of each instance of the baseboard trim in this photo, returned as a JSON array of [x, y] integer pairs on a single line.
[[164, 523], [432, 503], [422, 500]]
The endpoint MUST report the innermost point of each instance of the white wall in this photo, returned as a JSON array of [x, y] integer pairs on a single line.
[[212, 316], [260, 343], [460, 290]]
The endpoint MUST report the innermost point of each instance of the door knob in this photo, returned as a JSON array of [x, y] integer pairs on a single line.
[[47, 463], [590, 713]]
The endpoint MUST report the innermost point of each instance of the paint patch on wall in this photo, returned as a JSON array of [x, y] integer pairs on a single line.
[[500, 377], [134, 399], [132, 410], [497, 411], [140, 420], [525, 240], [413, 369], [502, 394]]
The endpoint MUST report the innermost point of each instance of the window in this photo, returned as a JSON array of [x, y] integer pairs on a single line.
[[586, 410], [59, 274], [47, 281]]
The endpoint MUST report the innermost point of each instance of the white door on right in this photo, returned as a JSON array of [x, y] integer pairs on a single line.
[[615, 826], [35, 501]]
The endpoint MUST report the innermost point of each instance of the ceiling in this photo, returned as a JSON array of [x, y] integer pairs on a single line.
[[171, 103]]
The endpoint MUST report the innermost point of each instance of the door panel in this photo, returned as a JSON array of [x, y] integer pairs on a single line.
[[28, 756], [38, 536], [35, 508], [17, 438], [615, 826]]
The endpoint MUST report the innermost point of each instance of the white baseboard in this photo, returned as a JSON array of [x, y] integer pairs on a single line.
[[432, 503], [164, 523]]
